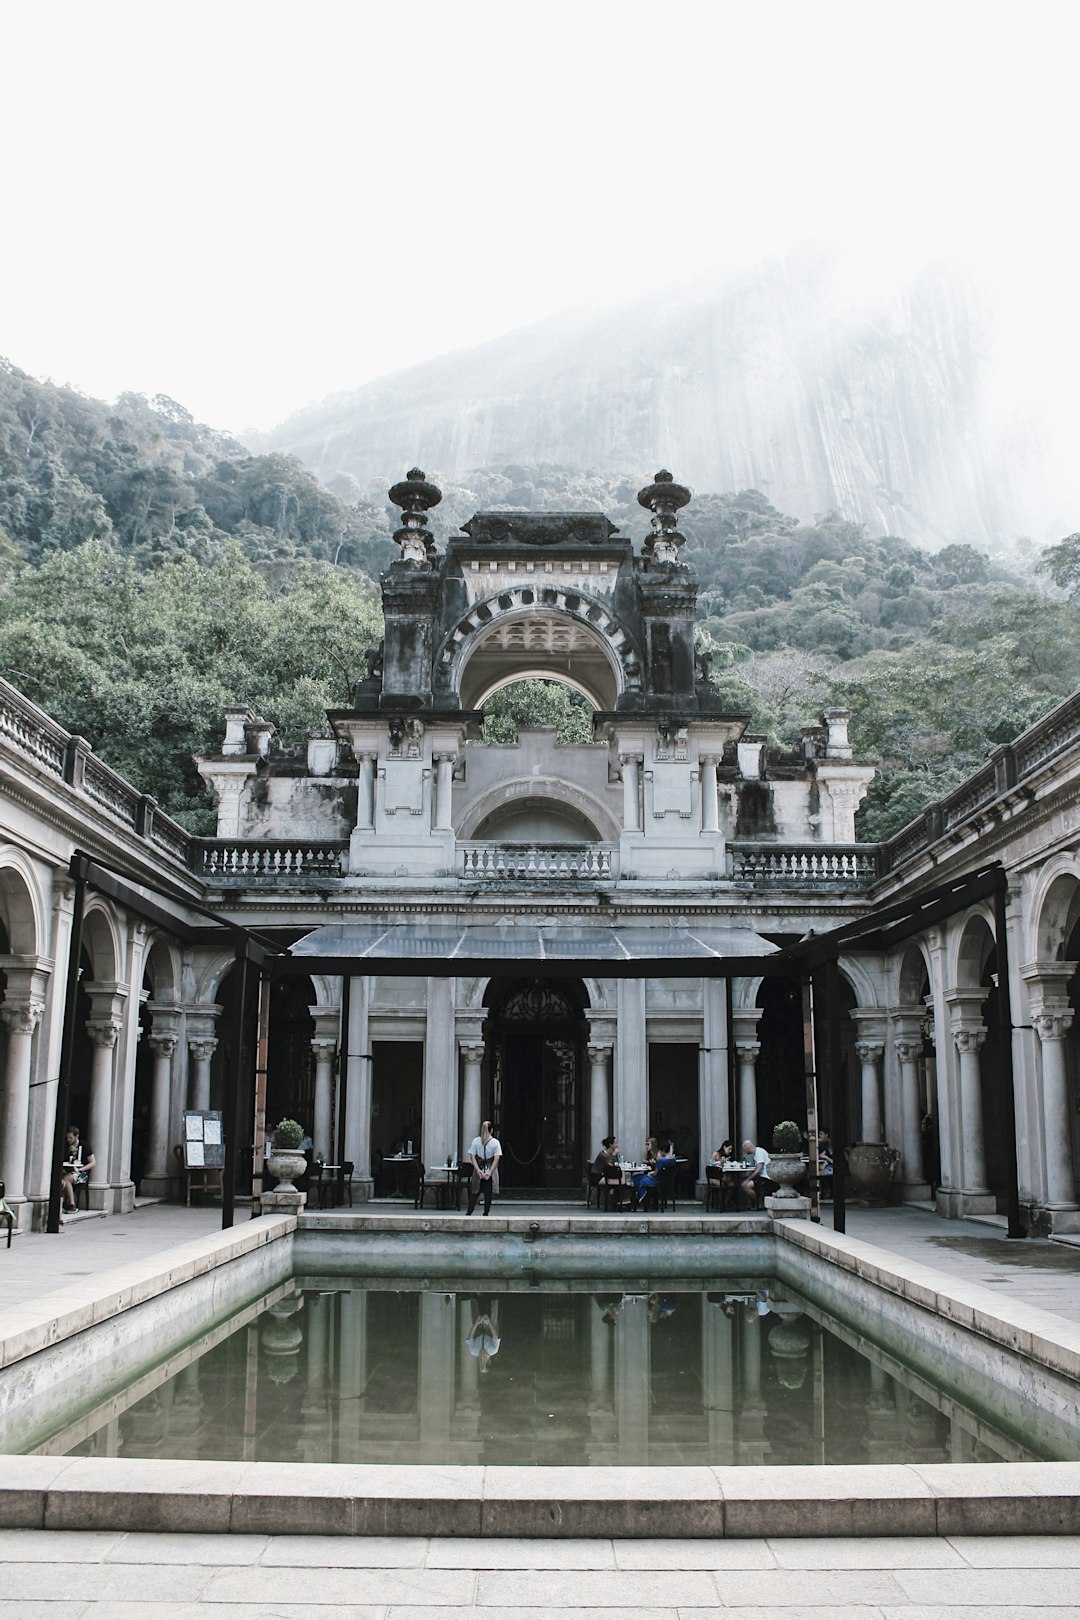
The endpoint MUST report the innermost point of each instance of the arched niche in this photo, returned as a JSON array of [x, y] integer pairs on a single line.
[[21, 909], [1058, 918], [540, 632], [492, 815]]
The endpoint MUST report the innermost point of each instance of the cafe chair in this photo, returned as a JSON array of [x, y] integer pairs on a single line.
[[462, 1177], [592, 1185], [6, 1214], [437, 1189], [714, 1188], [346, 1182], [320, 1187], [666, 1189]]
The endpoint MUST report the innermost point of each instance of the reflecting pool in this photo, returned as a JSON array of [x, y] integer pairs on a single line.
[[329, 1369]]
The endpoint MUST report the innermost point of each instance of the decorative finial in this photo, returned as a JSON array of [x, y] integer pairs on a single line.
[[415, 496], [663, 498]]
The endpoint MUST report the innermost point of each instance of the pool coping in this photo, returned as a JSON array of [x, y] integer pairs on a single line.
[[88, 1493]]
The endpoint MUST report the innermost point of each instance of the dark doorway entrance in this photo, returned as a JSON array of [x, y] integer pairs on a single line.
[[535, 1035]]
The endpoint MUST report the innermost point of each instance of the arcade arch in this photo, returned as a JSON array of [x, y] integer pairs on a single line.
[[544, 632]]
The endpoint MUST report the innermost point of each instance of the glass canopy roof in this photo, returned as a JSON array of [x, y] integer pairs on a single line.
[[420, 945]]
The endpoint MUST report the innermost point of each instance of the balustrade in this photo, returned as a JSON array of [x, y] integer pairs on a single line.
[[516, 863], [235, 860], [780, 866]]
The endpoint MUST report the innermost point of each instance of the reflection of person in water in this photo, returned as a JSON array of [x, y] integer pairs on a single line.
[[610, 1306], [483, 1339], [659, 1309]]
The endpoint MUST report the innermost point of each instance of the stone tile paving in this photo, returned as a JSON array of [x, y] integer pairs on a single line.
[[190, 1577], [1038, 1272]]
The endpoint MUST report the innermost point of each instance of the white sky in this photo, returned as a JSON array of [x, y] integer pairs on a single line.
[[249, 205]]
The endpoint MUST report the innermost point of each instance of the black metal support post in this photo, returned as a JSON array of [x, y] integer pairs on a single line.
[[1005, 1043], [235, 1073], [343, 1066], [78, 869], [830, 974]]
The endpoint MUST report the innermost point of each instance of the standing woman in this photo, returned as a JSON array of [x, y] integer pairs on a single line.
[[485, 1152]]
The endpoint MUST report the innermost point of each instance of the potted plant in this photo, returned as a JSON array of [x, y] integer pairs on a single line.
[[287, 1161], [786, 1166]]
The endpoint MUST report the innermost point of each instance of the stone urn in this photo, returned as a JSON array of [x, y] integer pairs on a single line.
[[871, 1166], [285, 1164], [789, 1342], [787, 1170]]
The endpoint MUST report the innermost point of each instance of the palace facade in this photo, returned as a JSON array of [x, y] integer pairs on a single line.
[[400, 928]]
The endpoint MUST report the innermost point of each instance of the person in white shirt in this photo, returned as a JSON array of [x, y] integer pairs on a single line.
[[485, 1151], [759, 1175]]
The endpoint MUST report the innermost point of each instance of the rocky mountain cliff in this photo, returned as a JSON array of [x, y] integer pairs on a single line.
[[780, 380]]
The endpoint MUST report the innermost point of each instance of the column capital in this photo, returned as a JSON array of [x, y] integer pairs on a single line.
[[163, 1042], [907, 1048], [472, 1051], [104, 1032], [600, 1051], [631, 759], [870, 1051], [1052, 1023], [22, 1014], [202, 1047], [324, 1048], [749, 1051], [969, 1037]]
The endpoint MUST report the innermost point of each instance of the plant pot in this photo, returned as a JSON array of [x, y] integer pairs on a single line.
[[871, 1166], [787, 1170], [285, 1164]]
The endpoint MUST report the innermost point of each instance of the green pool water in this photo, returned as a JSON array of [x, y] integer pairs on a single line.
[[335, 1369]]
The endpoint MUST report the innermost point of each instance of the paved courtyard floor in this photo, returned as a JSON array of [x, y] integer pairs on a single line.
[[61, 1574]]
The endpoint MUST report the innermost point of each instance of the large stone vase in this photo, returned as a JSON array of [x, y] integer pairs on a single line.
[[285, 1164], [787, 1170], [870, 1167]]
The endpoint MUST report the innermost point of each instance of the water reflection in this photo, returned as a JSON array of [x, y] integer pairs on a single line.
[[667, 1375]]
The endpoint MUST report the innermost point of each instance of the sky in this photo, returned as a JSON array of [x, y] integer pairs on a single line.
[[247, 206]]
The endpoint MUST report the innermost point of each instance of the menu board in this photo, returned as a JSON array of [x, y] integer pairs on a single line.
[[204, 1145]]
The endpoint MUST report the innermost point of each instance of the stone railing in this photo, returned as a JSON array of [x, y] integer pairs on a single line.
[[71, 760], [539, 863], [266, 860], [796, 866]]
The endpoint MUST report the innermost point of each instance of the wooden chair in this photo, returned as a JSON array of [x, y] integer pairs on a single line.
[[346, 1182], [6, 1214], [714, 1187]]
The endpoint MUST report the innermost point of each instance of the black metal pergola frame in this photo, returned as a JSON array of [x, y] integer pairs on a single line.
[[813, 960]]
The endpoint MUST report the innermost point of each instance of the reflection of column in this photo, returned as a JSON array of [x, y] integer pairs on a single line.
[[472, 1053], [599, 1058], [437, 1352], [444, 783], [1053, 1024], [748, 1053], [907, 1055], [710, 807], [202, 1050], [717, 1368], [870, 1054], [969, 1039], [365, 798], [630, 768], [324, 1048], [632, 1383], [103, 1032], [163, 1044], [21, 1017]]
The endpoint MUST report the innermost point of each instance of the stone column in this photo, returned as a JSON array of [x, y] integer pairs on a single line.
[[744, 1028], [599, 1117], [710, 806], [440, 1074], [713, 1108], [163, 1044], [472, 1053], [631, 1099], [631, 769], [969, 1034], [906, 1047], [747, 1053], [103, 1032], [870, 1054], [22, 1014], [356, 1086], [444, 782], [202, 1050], [1052, 1024], [325, 1049], [365, 798]]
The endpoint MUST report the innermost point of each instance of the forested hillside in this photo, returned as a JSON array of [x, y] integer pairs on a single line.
[[154, 571]]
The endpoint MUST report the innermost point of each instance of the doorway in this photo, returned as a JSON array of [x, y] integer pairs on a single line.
[[535, 1037]]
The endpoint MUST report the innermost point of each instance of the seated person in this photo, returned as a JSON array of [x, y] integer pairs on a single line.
[[757, 1179], [78, 1163], [649, 1181], [724, 1153], [606, 1163]]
